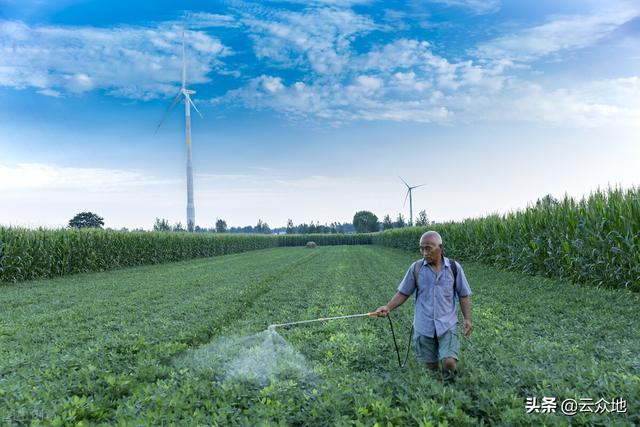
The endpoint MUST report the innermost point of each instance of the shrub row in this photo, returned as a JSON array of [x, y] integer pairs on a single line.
[[595, 240]]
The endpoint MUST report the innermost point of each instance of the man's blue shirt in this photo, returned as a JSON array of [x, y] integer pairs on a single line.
[[435, 310]]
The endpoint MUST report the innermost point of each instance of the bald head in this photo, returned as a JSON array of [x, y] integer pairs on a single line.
[[432, 236], [431, 247]]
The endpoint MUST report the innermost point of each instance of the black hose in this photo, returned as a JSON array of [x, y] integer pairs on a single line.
[[401, 364]]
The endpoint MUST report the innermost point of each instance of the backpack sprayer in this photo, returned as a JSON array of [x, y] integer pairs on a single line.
[[273, 327]]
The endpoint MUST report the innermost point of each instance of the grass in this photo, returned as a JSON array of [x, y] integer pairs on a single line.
[[101, 348]]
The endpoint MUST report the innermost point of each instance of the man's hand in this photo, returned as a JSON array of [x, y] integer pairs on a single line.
[[382, 311], [467, 327], [397, 300]]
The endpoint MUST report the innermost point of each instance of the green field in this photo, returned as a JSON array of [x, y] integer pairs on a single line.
[[114, 347]]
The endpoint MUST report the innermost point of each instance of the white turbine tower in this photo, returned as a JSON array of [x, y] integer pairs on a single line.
[[188, 103], [410, 199]]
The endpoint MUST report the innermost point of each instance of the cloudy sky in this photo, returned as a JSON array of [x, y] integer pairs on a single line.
[[312, 109]]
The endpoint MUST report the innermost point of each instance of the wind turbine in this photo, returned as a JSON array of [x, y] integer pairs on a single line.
[[188, 103], [410, 199]]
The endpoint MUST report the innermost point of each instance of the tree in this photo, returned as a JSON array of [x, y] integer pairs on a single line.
[[547, 201], [289, 226], [178, 227], [86, 220], [161, 225], [262, 227], [365, 221], [221, 225], [386, 223], [422, 218], [400, 222]]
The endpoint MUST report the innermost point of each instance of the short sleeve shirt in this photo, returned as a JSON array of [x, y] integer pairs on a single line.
[[435, 309]]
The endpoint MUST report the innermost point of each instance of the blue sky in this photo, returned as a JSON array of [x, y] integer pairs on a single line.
[[312, 109]]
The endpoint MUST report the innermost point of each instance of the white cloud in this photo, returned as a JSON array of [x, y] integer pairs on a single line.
[[364, 98], [337, 3], [404, 80], [78, 83], [317, 39], [51, 177], [399, 80], [408, 82], [591, 104], [134, 198], [272, 84], [50, 92], [367, 84], [398, 54], [558, 34], [479, 7], [480, 95], [38, 176], [208, 20], [132, 62]]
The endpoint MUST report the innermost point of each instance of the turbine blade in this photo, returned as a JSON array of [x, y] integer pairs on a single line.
[[184, 65], [417, 186], [405, 183], [406, 197], [169, 110], [195, 108]]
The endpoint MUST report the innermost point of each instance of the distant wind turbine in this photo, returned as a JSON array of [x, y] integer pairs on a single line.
[[188, 103], [410, 199]]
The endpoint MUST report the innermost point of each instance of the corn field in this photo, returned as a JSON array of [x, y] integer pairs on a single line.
[[594, 241], [325, 239], [31, 254]]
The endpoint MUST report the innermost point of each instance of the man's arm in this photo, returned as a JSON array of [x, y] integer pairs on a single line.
[[398, 299], [465, 306]]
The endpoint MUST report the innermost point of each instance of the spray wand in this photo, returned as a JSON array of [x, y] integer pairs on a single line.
[[273, 327], [322, 319]]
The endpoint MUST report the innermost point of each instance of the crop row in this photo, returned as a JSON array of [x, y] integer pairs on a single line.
[[595, 240], [141, 346], [325, 239], [31, 254]]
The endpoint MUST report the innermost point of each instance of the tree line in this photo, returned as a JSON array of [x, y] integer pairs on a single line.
[[363, 222], [367, 222], [261, 227]]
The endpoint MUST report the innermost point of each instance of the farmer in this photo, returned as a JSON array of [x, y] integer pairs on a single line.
[[435, 316]]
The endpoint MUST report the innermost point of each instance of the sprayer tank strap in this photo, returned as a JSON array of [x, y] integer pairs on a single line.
[[419, 263]]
